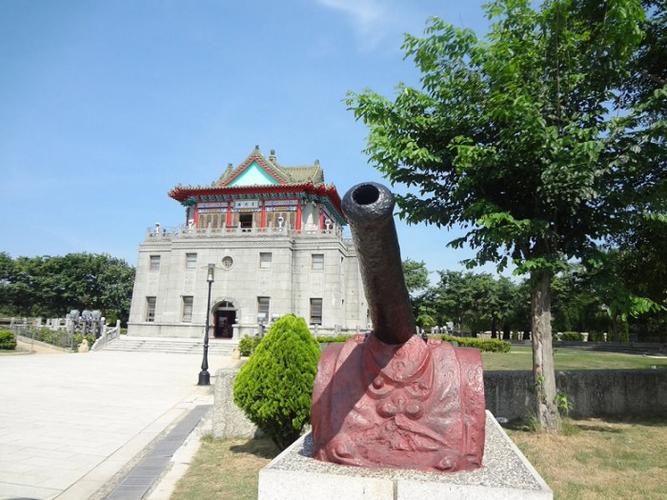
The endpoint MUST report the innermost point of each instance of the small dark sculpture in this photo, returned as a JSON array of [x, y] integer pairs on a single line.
[[389, 399]]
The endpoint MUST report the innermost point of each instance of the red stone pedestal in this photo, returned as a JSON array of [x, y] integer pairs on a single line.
[[414, 405]]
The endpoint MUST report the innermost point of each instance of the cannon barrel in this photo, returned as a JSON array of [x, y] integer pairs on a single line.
[[368, 208]]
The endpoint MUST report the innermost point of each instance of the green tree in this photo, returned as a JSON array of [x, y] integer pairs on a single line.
[[417, 283], [425, 317], [515, 137], [51, 286], [474, 301], [452, 298], [416, 276], [274, 387]]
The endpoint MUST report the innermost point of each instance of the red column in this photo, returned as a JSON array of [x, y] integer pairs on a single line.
[[262, 217], [196, 216], [321, 220], [298, 216], [228, 218]]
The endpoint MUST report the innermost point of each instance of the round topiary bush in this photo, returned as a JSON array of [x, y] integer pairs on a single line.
[[274, 387]]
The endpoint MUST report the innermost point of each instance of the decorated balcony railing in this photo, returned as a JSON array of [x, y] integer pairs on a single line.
[[158, 233]]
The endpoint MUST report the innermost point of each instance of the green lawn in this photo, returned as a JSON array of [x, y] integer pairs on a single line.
[[599, 459], [521, 358]]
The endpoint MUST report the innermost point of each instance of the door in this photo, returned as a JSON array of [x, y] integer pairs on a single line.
[[224, 319]]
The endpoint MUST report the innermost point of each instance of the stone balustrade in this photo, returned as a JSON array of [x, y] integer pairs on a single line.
[[184, 232]]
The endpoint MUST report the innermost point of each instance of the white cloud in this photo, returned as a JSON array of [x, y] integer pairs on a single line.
[[369, 17]]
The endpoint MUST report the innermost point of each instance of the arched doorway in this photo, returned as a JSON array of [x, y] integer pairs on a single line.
[[224, 316]]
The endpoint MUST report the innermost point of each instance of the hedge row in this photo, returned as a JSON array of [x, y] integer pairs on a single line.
[[332, 339], [7, 340], [489, 345], [571, 336]]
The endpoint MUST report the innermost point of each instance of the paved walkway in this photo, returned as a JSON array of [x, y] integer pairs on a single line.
[[70, 422]]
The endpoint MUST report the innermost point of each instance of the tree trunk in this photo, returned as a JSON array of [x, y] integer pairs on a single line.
[[543, 358], [494, 328]]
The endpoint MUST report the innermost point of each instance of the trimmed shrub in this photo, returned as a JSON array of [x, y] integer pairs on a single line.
[[7, 340], [247, 345], [274, 387], [572, 337], [488, 345]]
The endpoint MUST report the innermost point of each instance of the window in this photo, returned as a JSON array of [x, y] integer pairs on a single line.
[[227, 262], [263, 307], [154, 263], [150, 309], [317, 262], [264, 260], [315, 311], [190, 260], [187, 309]]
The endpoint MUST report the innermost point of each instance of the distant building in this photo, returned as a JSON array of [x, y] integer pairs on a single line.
[[275, 236]]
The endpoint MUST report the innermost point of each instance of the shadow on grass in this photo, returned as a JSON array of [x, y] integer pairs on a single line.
[[260, 447], [596, 428], [572, 425], [657, 421]]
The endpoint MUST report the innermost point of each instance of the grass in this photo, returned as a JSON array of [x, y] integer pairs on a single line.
[[600, 459], [225, 469], [591, 459], [521, 358]]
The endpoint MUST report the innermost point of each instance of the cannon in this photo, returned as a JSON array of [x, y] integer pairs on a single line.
[[368, 208], [389, 399]]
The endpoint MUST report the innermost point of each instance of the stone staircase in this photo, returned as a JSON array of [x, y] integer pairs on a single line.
[[170, 345]]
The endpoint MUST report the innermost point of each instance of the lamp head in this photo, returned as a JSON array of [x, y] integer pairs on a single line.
[[211, 273]]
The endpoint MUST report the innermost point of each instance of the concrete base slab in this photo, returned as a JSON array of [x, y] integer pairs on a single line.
[[506, 474]]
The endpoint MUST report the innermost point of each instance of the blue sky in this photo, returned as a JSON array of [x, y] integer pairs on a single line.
[[105, 106]]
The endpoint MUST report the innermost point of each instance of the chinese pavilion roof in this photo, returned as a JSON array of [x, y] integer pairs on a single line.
[[259, 175]]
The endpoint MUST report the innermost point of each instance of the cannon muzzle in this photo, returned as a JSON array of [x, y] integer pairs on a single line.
[[368, 208]]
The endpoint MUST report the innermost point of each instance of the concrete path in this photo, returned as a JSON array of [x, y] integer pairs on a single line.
[[70, 422]]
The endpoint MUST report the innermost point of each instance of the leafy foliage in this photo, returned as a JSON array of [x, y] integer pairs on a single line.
[[247, 345], [489, 345], [332, 339], [7, 340], [572, 336], [477, 301], [512, 136], [52, 286], [275, 385], [416, 276]]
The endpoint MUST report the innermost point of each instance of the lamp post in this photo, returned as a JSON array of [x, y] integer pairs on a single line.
[[204, 376]]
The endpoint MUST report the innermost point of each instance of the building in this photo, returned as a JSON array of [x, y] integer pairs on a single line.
[[275, 237]]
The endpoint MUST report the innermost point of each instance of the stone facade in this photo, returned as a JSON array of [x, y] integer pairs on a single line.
[[281, 262]]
